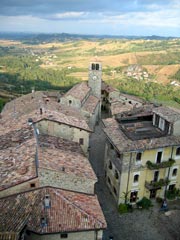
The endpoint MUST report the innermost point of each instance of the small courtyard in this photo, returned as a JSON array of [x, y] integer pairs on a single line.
[[140, 224]]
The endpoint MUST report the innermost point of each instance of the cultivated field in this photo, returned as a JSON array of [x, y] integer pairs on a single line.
[[62, 64]]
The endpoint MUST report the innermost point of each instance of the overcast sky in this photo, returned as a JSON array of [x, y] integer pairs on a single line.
[[112, 17]]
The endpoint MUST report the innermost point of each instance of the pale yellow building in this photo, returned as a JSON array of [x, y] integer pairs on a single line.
[[142, 156]]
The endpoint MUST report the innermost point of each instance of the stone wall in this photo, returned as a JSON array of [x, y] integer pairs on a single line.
[[64, 131], [86, 235], [70, 101], [20, 188], [64, 180]]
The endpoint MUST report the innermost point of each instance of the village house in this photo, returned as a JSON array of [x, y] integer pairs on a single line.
[[142, 153], [50, 213], [28, 161], [48, 116], [115, 102]]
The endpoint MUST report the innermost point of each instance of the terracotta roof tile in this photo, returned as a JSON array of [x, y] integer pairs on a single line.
[[17, 163], [108, 88], [64, 115], [69, 211], [17, 112], [79, 91], [65, 154], [90, 104], [17, 159], [119, 107]]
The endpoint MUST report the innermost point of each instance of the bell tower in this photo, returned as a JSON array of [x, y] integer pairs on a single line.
[[95, 75]]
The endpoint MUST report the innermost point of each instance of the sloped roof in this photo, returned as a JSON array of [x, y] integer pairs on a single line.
[[119, 107], [57, 153], [124, 144], [17, 163], [108, 88], [65, 115], [90, 104], [17, 160], [79, 91], [69, 211], [128, 96], [169, 114], [16, 113], [29, 102]]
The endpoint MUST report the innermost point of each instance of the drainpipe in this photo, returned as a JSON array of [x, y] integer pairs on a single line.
[[30, 122], [168, 174], [128, 178]]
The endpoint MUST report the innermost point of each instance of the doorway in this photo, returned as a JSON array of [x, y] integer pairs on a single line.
[[153, 193]]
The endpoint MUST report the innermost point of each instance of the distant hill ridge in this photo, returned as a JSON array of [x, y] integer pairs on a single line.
[[62, 37]]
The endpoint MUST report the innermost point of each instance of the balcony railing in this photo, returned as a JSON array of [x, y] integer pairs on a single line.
[[156, 184], [164, 164]]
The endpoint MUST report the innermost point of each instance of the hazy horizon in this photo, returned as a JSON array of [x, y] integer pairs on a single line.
[[103, 17]]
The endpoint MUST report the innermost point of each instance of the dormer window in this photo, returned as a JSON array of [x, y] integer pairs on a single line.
[[161, 124]]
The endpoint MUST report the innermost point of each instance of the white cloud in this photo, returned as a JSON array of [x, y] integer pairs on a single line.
[[71, 15]]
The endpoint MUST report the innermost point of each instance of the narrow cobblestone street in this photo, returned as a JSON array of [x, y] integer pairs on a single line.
[[139, 225]]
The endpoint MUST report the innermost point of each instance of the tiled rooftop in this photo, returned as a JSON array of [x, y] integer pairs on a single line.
[[169, 114], [107, 88], [15, 138], [17, 163], [137, 99], [17, 159], [69, 211], [65, 115], [16, 113], [29, 102], [90, 104], [57, 154], [119, 107], [125, 144], [79, 91]]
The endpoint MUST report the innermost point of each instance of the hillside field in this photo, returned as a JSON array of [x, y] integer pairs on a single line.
[[59, 65]]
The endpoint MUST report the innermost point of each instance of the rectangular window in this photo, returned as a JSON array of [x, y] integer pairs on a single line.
[[172, 187], [156, 176], [159, 157], [81, 141], [138, 156], [32, 185], [156, 121], [133, 196], [178, 151], [161, 124]]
